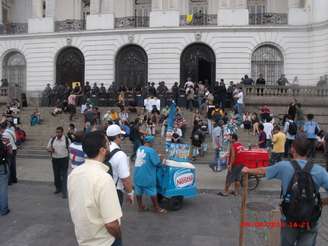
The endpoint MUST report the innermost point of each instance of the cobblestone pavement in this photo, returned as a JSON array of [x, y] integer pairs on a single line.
[[39, 218]]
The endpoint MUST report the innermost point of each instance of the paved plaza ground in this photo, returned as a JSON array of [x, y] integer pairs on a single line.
[[40, 218]]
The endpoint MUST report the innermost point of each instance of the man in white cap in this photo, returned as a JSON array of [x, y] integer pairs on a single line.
[[119, 163]]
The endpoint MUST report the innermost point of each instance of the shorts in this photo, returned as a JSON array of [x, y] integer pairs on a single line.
[[149, 191], [235, 174]]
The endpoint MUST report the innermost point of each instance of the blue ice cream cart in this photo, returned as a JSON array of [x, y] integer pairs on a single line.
[[176, 178]]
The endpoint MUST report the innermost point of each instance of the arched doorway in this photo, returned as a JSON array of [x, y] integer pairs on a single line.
[[14, 69], [268, 61], [198, 62], [70, 66], [131, 67]]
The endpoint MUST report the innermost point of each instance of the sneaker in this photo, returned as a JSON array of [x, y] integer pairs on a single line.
[[212, 167], [57, 191], [5, 213]]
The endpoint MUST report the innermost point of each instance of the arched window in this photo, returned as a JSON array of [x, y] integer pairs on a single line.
[[131, 67], [14, 69], [70, 66], [268, 61]]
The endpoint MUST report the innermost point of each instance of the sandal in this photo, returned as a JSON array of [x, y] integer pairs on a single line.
[[222, 194]]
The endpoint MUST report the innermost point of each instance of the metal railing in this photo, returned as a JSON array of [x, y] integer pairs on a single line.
[[199, 20], [132, 22], [268, 19], [70, 25], [286, 91], [14, 28], [8, 93]]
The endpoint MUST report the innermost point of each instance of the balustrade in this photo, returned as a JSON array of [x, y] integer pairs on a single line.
[[285, 91], [268, 19], [132, 22], [14, 28], [199, 20]]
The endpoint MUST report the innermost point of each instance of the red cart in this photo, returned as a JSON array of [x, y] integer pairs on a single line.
[[253, 158]]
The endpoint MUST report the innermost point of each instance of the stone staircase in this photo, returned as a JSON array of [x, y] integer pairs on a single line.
[[38, 136]]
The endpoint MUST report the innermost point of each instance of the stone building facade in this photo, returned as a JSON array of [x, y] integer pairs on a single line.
[[134, 41]]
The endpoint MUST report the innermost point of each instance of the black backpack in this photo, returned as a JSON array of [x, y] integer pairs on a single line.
[[292, 128], [302, 202], [107, 161], [66, 142], [3, 153]]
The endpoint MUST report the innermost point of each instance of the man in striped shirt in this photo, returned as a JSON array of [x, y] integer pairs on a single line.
[[76, 153]]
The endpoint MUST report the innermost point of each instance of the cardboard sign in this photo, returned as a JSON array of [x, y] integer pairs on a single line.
[[178, 152]]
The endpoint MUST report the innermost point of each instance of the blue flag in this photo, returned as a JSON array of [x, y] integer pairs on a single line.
[[171, 117]]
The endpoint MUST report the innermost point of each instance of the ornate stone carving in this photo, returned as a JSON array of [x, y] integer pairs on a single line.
[[198, 36], [131, 38], [69, 41]]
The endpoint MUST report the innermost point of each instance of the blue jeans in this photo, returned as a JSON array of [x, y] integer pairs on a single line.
[[117, 242], [239, 108], [4, 176], [302, 237]]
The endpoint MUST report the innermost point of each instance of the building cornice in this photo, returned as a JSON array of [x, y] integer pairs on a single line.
[[249, 28]]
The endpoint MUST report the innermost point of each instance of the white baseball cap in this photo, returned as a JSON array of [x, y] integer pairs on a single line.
[[114, 130]]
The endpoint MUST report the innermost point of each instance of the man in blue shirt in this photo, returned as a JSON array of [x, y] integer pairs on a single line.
[[311, 128], [284, 171], [146, 163]]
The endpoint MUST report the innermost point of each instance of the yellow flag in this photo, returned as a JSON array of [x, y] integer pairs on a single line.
[[189, 19]]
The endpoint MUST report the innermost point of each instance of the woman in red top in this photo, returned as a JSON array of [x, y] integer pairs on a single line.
[[234, 167]]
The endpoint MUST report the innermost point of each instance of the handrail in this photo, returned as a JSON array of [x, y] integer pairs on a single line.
[[290, 90]]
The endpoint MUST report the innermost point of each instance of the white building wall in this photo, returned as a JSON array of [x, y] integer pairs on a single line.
[[20, 11], [305, 51]]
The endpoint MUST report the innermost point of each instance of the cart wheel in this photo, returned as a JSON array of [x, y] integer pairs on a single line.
[[175, 203], [253, 182]]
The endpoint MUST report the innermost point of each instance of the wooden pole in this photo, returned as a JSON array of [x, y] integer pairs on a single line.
[[274, 232], [243, 210]]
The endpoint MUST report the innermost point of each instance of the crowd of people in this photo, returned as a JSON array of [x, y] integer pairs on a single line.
[[92, 157]]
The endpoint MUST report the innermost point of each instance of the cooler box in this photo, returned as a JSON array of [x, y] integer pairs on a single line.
[[177, 179], [253, 158]]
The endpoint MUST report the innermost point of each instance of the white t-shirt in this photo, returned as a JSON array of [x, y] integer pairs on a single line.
[[189, 83], [240, 97], [150, 102], [120, 166], [268, 127]]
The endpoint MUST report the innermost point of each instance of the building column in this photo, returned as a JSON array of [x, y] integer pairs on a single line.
[[101, 15], [50, 8], [319, 11], [184, 7], [38, 24], [233, 13], [1, 14], [164, 15], [37, 7], [297, 15]]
